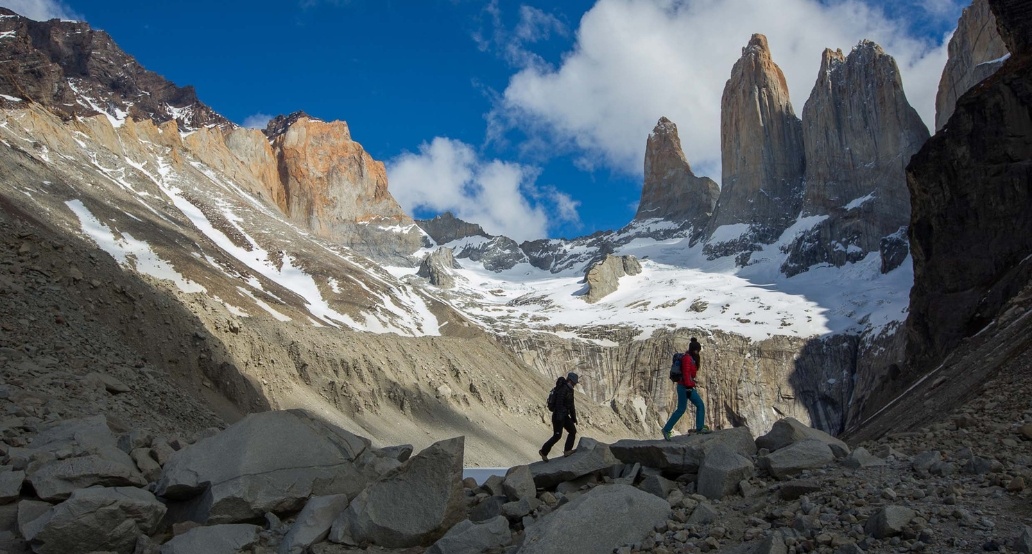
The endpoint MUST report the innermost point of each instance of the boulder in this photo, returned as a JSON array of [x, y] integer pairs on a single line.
[[313, 523], [10, 485], [267, 462], [789, 431], [438, 268], [57, 479], [721, 471], [467, 536], [861, 458], [604, 276], [590, 457], [792, 490], [413, 505], [216, 539], [598, 521], [488, 508], [89, 455], [791, 460], [657, 485], [1023, 542], [95, 519], [685, 453], [519, 483], [888, 522], [703, 514]]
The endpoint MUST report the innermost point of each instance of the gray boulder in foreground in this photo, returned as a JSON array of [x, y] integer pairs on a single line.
[[590, 457], [789, 431], [95, 519], [95, 459], [313, 523], [721, 471], [413, 505], [598, 521], [267, 462], [792, 460], [216, 539], [472, 538]]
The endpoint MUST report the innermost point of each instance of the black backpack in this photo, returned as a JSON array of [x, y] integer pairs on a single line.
[[554, 393], [675, 368]]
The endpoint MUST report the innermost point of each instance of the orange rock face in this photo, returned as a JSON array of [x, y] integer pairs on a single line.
[[330, 180]]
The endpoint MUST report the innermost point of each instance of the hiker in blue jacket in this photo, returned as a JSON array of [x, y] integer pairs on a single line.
[[564, 417], [686, 391]]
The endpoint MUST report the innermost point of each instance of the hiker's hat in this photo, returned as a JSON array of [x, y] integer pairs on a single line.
[[572, 377]]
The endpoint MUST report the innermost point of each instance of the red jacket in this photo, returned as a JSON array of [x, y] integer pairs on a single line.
[[688, 371]]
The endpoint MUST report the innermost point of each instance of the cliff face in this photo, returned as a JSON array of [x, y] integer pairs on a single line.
[[742, 382], [971, 229], [976, 51], [859, 133], [671, 190], [762, 153]]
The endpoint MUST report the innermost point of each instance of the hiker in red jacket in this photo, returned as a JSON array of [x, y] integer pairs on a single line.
[[686, 391]]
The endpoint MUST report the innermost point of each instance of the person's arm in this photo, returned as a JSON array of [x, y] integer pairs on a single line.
[[573, 406]]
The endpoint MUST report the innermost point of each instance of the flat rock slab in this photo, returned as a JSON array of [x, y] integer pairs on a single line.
[[788, 431], [216, 539], [589, 458], [604, 518], [684, 453], [267, 462], [793, 459]]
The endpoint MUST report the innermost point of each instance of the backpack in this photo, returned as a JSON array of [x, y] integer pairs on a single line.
[[554, 393], [675, 368]]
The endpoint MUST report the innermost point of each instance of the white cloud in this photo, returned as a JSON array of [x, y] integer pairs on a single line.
[[257, 121], [637, 60], [448, 175], [534, 26], [41, 10]]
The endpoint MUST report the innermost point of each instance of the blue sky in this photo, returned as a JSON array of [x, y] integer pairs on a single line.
[[529, 118]]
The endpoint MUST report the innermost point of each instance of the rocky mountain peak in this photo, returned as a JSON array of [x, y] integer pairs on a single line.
[[279, 124], [671, 190], [762, 154], [446, 227], [976, 51], [74, 70], [859, 132]]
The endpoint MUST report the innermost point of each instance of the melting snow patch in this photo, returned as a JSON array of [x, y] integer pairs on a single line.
[[128, 251], [859, 202], [11, 98], [263, 305]]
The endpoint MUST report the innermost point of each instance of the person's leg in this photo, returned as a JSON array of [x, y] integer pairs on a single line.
[[682, 405], [700, 410], [571, 435], [557, 432]]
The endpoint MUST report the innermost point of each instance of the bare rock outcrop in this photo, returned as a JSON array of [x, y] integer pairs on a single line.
[[436, 268], [971, 229], [859, 133], [446, 227], [976, 51], [75, 70], [762, 155], [604, 277], [671, 190]]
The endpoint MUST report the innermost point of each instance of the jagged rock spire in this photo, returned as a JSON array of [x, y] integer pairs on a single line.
[[859, 133], [762, 152], [976, 51], [671, 190]]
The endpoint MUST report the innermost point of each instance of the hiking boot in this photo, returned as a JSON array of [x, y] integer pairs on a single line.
[[567, 452], [666, 435], [544, 457], [705, 430]]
